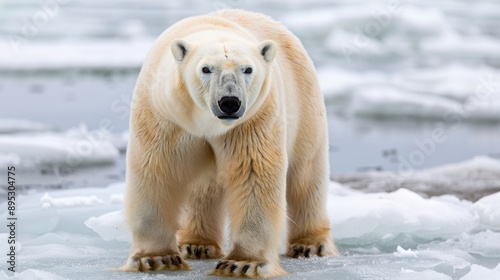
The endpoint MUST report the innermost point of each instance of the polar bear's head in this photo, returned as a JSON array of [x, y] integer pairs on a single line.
[[224, 76]]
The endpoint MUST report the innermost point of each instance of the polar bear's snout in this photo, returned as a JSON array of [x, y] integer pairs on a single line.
[[229, 105], [228, 108]]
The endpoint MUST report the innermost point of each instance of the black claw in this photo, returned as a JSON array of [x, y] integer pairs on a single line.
[[296, 253], [206, 252], [320, 249], [218, 265], [174, 261], [149, 262], [198, 252], [179, 259], [189, 251], [233, 267], [163, 261], [245, 268], [301, 250], [221, 264], [306, 254]]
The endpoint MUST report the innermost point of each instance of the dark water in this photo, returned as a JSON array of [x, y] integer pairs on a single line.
[[360, 145]]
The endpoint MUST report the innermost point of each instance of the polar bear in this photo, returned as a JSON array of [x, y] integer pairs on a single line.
[[227, 117]]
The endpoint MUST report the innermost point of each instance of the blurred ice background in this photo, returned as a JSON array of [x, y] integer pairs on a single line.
[[413, 97]]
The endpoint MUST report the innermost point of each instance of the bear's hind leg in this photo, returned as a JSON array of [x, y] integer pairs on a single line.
[[202, 235], [309, 226]]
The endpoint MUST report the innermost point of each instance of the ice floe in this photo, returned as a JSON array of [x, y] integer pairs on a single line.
[[74, 147]]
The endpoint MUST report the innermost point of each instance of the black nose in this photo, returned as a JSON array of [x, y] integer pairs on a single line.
[[229, 104]]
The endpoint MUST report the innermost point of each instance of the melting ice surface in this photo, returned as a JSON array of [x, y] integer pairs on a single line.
[[81, 234]]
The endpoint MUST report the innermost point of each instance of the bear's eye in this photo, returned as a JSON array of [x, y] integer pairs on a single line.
[[248, 70], [205, 70]]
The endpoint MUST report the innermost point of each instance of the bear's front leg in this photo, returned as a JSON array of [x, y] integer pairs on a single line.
[[157, 186], [252, 167], [152, 218]]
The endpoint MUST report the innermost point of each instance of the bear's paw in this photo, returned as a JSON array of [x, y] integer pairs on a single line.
[[155, 263], [306, 248], [250, 269], [200, 251]]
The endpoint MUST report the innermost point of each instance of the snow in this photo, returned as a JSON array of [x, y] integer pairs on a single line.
[[33, 274], [387, 32], [74, 147], [9, 158], [402, 253], [74, 54], [467, 92], [47, 201], [110, 226], [16, 125], [426, 274], [480, 272], [488, 211], [390, 216], [116, 198], [419, 60], [84, 229]]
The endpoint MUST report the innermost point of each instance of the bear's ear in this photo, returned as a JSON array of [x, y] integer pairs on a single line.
[[179, 48], [268, 50]]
